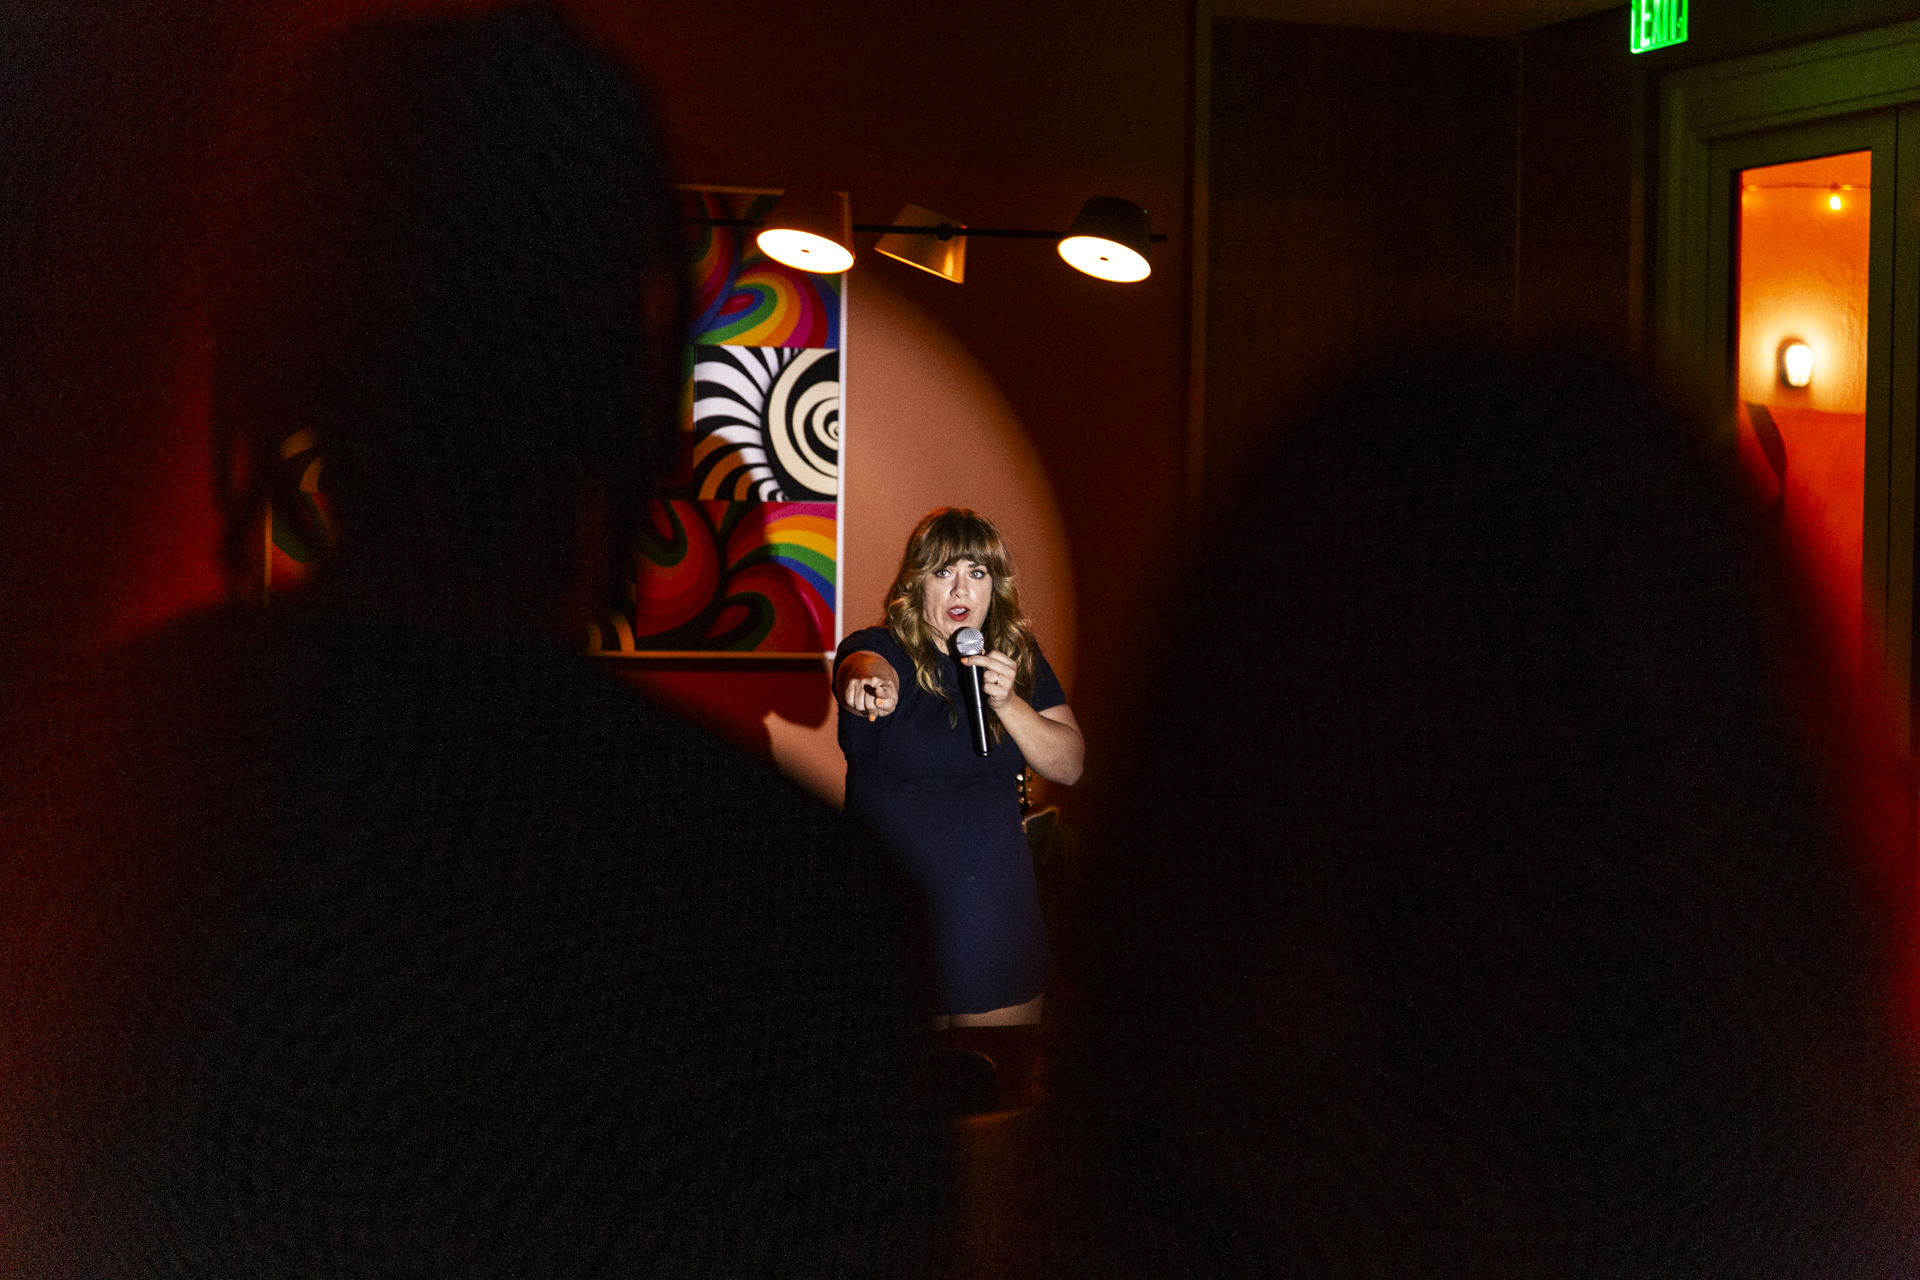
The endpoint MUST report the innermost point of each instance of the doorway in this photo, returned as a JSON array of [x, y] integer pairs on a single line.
[[1802, 301], [1787, 283]]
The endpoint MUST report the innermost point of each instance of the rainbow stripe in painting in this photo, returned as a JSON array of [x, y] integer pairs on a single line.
[[713, 253], [743, 298], [733, 577], [794, 540]]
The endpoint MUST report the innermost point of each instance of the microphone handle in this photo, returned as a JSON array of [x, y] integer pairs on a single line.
[[975, 699]]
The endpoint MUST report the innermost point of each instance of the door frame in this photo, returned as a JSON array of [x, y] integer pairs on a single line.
[[1876, 131], [1706, 115]]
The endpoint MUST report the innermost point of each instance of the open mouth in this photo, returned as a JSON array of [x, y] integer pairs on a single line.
[[959, 613]]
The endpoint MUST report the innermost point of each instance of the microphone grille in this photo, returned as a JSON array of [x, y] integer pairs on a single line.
[[969, 643]]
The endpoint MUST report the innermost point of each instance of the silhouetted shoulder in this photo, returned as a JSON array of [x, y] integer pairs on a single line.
[[392, 924]]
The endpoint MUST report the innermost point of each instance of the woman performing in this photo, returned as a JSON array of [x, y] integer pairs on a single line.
[[952, 817]]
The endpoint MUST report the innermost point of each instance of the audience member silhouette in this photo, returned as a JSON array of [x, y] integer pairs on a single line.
[[1479, 907], [372, 932]]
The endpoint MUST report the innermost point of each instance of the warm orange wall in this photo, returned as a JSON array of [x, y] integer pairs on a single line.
[[928, 427], [1803, 274]]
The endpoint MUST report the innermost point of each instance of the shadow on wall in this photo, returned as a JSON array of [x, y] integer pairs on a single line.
[[926, 427]]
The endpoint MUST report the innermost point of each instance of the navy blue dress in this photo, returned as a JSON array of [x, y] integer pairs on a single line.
[[953, 820]]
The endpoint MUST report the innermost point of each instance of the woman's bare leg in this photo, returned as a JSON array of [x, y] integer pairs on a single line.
[[1014, 1015]]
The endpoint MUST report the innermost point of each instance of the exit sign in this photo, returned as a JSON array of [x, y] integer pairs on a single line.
[[1657, 23]]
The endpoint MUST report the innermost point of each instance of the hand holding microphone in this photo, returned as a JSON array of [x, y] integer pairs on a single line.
[[969, 643]]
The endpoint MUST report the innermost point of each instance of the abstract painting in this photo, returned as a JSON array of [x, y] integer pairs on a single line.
[[299, 519], [733, 577], [740, 554], [743, 298]]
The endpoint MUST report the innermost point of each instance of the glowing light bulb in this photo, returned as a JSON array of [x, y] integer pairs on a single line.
[[1833, 199], [1106, 259], [1796, 364], [804, 251]]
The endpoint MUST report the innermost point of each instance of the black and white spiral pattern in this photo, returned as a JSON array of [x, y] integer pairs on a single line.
[[767, 424]]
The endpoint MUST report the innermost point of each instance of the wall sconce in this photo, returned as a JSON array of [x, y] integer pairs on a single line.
[[944, 253], [1109, 240], [808, 230], [1796, 363], [1833, 197]]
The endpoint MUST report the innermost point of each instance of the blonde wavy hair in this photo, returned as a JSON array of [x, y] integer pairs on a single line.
[[944, 536]]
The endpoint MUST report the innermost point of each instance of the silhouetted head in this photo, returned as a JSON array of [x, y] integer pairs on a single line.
[[1480, 911], [454, 276]]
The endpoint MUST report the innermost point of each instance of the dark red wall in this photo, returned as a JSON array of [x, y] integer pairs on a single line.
[[1574, 252], [1362, 202], [105, 523]]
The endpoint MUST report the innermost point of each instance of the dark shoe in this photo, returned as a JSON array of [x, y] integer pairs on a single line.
[[968, 1082], [1015, 1053]]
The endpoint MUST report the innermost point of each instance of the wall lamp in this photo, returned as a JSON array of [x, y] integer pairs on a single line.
[[810, 229], [1796, 363]]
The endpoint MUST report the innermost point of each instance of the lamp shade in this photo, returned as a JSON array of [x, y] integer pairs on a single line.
[[925, 250], [811, 229], [1109, 240]]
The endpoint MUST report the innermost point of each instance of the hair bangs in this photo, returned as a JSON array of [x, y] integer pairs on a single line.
[[955, 535]]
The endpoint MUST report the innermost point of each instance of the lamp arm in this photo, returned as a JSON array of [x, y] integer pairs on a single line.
[[945, 230]]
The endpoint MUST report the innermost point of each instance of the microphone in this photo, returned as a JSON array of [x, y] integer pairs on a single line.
[[969, 643]]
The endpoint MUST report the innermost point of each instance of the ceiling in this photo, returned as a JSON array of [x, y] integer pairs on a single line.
[[1453, 17]]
